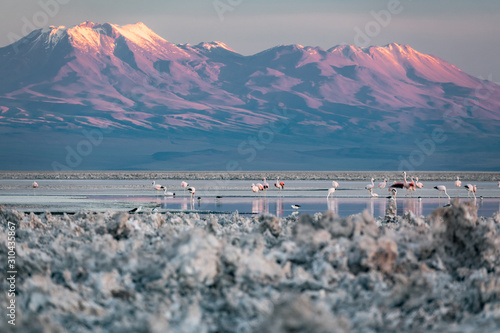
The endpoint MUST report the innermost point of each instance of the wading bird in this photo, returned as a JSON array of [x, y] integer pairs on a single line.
[[295, 206], [192, 190], [255, 189], [168, 193], [442, 188], [184, 185], [471, 189], [418, 184], [278, 184], [35, 186], [135, 210], [458, 184], [330, 192], [400, 185], [382, 184], [265, 184], [158, 186], [335, 184], [370, 187]]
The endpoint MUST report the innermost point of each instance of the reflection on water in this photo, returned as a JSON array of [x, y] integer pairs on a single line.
[[281, 207]]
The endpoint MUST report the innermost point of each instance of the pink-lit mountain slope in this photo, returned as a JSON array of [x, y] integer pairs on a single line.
[[345, 102], [138, 79]]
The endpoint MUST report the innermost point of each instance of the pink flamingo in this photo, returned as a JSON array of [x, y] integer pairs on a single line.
[[265, 184], [184, 185], [278, 184], [255, 189], [418, 184], [458, 184], [382, 184], [35, 186], [335, 184], [411, 187]]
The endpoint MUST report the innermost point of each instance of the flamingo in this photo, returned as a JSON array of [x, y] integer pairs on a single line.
[[442, 188], [370, 187], [400, 185], [458, 184], [411, 186], [373, 195], [184, 185], [279, 184], [418, 184], [260, 186], [168, 193], [35, 186], [295, 206], [382, 184], [192, 190], [335, 184], [158, 186], [265, 184], [135, 210], [498, 184], [471, 189], [255, 189], [330, 191]]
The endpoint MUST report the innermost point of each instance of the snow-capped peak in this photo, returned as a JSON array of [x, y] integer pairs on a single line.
[[214, 45]]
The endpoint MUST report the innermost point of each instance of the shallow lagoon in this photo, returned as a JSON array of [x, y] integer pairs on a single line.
[[235, 195]]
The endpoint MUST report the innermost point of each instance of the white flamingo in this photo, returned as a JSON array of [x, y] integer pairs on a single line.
[[157, 186], [382, 184], [471, 189], [442, 188], [373, 195], [168, 193], [335, 184], [330, 192], [418, 184], [370, 187], [192, 190], [35, 186]]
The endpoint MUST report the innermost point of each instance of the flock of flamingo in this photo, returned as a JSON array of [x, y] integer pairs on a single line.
[[410, 187], [415, 184]]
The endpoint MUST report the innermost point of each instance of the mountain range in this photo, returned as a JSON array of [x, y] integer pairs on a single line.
[[104, 96]]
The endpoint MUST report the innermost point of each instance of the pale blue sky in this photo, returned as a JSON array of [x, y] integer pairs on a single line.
[[463, 32]]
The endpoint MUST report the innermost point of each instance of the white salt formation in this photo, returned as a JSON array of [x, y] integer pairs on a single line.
[[119, 272]]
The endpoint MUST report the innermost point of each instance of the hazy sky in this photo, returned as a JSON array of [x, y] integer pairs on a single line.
[[463, 32]]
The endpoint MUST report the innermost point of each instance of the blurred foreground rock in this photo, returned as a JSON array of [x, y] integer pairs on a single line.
[[115, 272]]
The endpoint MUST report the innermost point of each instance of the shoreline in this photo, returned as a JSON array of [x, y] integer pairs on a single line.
[[249, 175]]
